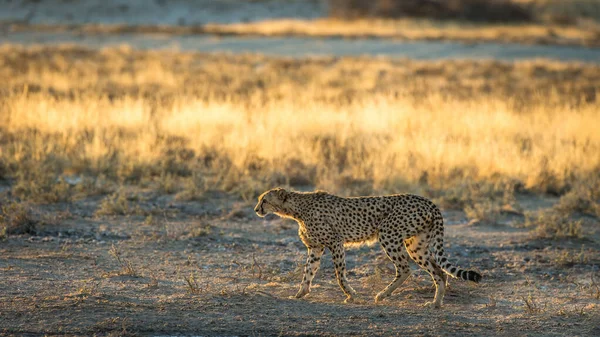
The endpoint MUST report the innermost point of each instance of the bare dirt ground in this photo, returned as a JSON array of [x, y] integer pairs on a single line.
[[213, 268]]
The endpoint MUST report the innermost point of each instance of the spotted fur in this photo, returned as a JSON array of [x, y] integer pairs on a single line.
[[405, 225]]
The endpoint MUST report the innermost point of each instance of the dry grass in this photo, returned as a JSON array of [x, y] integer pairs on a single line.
[[417, 29], [127, 267], [583, 198], [114, 204], [552, 225], [191, 123], [16, 218], [586, 33]]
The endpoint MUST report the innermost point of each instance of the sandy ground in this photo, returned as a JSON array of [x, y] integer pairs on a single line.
[[240, 270]]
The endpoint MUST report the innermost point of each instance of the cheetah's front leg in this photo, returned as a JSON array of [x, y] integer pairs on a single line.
[[312, 265], [339, 259]]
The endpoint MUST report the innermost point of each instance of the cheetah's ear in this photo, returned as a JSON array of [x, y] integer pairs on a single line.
[[282, 194]]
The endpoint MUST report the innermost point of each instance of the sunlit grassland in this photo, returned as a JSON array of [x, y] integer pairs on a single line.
[[76, 122], [415, 29]]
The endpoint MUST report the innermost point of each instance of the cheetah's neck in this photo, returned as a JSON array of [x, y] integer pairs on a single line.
[[292, 207]]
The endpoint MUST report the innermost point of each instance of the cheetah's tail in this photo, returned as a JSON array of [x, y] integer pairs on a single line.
[[437, 245]]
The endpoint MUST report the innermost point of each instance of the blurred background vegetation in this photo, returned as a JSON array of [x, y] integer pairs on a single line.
[[555, 11]]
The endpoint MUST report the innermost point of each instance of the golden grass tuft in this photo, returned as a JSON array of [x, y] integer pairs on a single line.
[[245, 123]]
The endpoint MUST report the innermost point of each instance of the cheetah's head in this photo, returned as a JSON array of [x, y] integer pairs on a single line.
[[271, 202]]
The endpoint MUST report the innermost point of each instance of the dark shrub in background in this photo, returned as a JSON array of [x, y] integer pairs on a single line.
[[470, 10]]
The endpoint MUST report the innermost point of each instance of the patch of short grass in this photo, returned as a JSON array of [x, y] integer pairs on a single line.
[[570, 258]]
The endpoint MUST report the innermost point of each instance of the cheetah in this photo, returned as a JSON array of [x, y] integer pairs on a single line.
[[404, 224]]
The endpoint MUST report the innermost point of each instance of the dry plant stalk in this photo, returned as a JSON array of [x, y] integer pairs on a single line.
[[126, 265]]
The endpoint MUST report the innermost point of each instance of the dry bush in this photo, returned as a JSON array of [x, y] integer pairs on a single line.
[[114, 204], [559, 12], [552, 225], [583, 198], [41, 186], [190, 123], [563, 11], [486, 202], [16, 218], [471, 10], [88, 186], [481, 201], [483, 211]]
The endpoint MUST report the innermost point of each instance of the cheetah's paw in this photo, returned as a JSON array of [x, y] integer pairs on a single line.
[[355, 300], [434, 305], [380, 297]]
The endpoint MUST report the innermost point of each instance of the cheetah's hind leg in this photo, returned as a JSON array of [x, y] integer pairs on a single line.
[[399, 257], [418, 249]]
